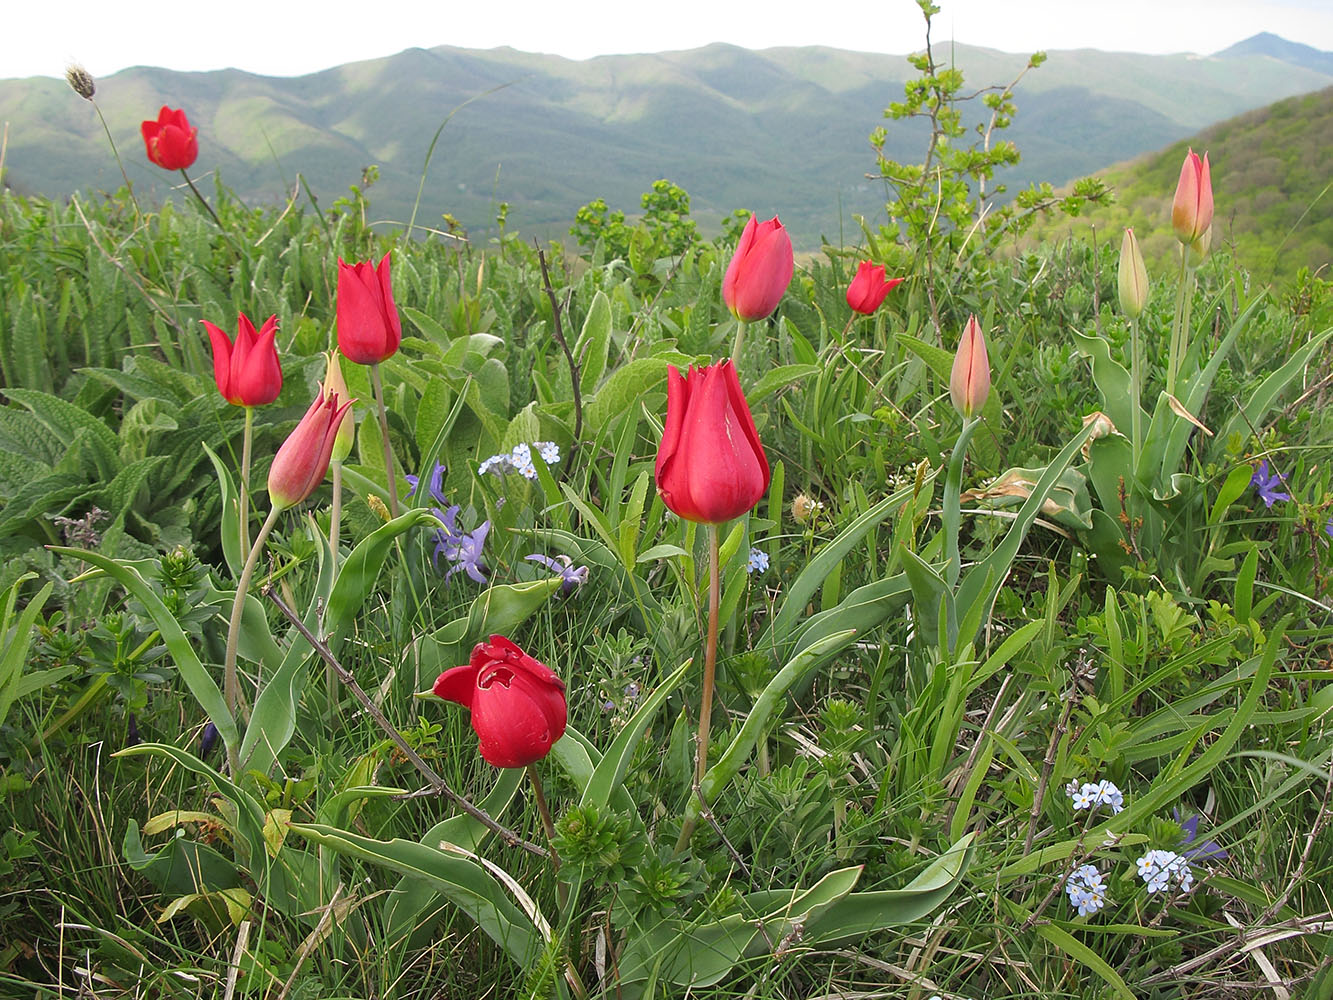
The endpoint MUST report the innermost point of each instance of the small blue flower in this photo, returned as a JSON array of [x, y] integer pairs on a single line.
[[1086, 889], [758, 561], [461, 548], [1089, 796], [1328, 527], [1268, 487], [436, 483], [571, 576], [519, 459], [1159, 868]]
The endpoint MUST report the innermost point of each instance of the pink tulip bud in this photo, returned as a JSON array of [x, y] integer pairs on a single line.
[[969, 384], [710, 466], [1192, 209], [760, 271], [303, 460], [517, 703]]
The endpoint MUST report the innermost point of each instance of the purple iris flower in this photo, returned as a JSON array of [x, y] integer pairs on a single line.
[[461, 548], [1206, 851], [436, 485], [571, 576], [1268, 487]]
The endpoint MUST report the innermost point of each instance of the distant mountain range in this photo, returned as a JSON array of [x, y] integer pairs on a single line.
[[780, 130]]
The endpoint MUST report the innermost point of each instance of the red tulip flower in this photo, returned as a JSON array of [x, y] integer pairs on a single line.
[[868, 288], [760, 272], [368, 327], [303, 460], [247, 372], [517, 704], [171, 141], [710, 466], [969, 382], [1192, 209]]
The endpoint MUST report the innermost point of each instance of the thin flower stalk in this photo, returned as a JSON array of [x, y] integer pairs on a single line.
[[231, 687], [710, 670], [952, 513], [384, 436]]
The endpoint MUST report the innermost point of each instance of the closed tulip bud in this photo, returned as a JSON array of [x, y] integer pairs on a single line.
[[303, 460], [517, 703], [760, 271], [1133, 284], [171, 141], [247, 372], [335, 384], [969, 383], [368, 326], [1192, 209], [868, 288], [710, 466]]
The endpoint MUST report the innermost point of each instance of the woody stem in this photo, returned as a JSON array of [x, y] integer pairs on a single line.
[[384, 436]]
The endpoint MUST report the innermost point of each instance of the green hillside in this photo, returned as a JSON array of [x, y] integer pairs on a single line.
[[782, 130], [1272, 172]]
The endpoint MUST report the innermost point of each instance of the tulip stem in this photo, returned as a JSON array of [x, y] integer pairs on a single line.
[[740, 341], [1135, 394], [562, 890], [1180, 328], [245, 477], [953, 485], [331, 683], [710, 668], [230, 683], [384, 436], [207, 207]]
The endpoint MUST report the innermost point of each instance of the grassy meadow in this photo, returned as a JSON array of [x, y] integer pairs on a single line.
[[1033, 702]]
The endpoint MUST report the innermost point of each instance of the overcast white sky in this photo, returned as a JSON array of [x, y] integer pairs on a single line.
[[287, 38]]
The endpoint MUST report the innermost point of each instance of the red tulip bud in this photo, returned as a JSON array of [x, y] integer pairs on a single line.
[[868, 288], [760, 272], [1192, 209], [368, 327], [969, 384], [517, 703], [710, 466], [303, 460], [172, 143], [247, 372]]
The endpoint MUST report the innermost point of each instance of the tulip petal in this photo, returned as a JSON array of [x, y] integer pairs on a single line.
[[221, 359], [457, 684]]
